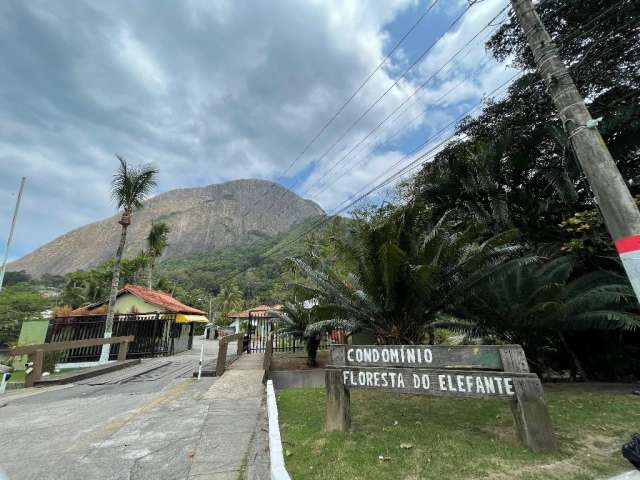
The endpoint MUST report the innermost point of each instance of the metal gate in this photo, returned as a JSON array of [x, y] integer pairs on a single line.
[[259, 328], [154, 334]]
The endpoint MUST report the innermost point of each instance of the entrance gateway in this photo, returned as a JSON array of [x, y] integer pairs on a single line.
[[482, 371]]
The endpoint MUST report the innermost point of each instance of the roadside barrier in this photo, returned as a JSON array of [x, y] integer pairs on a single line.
[[278, 469]]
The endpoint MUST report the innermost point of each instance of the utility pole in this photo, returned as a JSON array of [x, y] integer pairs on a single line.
[[13, 226], [612, 195]]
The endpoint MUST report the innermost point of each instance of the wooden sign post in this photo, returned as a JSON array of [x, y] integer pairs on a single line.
[[484, 371]]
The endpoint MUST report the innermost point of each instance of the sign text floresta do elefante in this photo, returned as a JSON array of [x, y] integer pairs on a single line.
[[474, 384], [473, 371]]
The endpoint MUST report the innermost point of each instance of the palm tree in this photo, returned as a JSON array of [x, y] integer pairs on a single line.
[[156, 243], [129, 188], [293, 322], [484, 181], [403, 279], [229, 299], [534, 305]]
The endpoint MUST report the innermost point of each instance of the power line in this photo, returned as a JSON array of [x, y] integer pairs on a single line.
[[490, 23], [360, 87], [328, 218], [404, 103], [420, 58], [407, 168], [421, 86], [324, 180], [576, 33], [443, 130], [413, 164], [404, 74]]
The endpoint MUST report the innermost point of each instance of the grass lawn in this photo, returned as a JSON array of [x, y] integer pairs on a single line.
[[455, 438], [17, 377]]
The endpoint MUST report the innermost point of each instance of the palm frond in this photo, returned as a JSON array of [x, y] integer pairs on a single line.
[[132, 185], [323, 326], [604, 320]]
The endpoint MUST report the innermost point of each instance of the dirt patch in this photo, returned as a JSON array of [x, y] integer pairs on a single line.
[[590, 449], [297, 361]]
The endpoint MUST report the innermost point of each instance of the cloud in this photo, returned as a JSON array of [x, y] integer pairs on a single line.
[[207, 90], [440, 96]]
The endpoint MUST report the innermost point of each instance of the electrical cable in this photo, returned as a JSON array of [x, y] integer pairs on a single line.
[[413, 164], [355, 93]]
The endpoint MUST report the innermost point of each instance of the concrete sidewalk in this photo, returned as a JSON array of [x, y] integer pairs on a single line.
[[153, 421], [236, 406]]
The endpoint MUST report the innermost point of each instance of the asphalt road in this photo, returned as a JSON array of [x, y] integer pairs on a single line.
[[142, 422]]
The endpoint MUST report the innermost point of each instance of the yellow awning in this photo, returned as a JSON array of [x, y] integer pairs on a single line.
[[182, 318]]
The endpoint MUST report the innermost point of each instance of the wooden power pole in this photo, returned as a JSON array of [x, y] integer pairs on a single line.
[[612, 195]]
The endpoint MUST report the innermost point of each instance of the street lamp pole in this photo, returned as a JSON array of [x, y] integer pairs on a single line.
[[10, 238]]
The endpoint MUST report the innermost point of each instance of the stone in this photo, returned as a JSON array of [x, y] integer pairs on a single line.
[[201, 220]]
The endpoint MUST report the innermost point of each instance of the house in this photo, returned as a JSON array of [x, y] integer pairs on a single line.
[[161, 324], [242, 317], [135, 299]]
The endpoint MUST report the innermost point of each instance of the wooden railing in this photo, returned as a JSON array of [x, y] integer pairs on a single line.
[[36, 353], [223, 345]]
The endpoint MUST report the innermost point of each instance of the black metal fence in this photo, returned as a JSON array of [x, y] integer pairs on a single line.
[[259, 328], [156, 334]]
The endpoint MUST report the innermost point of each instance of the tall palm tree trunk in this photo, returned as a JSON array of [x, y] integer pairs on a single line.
[[152, 262], [115, 281]]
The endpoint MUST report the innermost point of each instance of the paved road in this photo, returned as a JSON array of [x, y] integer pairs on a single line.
[[143, 422]]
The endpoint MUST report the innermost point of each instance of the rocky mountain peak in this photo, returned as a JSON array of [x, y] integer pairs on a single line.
[[201, 219]]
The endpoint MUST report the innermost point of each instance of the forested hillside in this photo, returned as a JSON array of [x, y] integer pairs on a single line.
[[258, 268]]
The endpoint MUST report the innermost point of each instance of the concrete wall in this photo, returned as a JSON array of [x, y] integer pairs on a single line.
[[32, 332], [126, 302], [297, 378]]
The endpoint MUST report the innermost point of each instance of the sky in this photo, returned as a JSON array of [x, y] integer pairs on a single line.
[[217, 90]]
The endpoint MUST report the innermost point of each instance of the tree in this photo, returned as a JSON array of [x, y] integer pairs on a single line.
[[536, 305], [403, 277], [229, 299], [156, 243], [129, 188], [519, 140], [483, 181], [14, 278], [85, 287], [19, 303], [293, 322], [89, 286]]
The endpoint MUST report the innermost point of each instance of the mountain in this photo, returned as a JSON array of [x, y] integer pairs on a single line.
[[201, 220]]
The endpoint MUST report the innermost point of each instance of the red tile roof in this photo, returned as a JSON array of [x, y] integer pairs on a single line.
[[259, 311], [80, 311], [160, 298], [164, 300]]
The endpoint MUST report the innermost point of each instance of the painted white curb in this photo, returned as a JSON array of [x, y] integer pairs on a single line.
[[632, 475], [278, 470]]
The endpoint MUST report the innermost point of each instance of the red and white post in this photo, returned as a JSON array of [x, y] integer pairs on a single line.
[[629, 250]]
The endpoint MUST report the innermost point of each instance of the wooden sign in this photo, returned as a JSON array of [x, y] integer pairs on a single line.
[[480, 357], [485, 371]]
